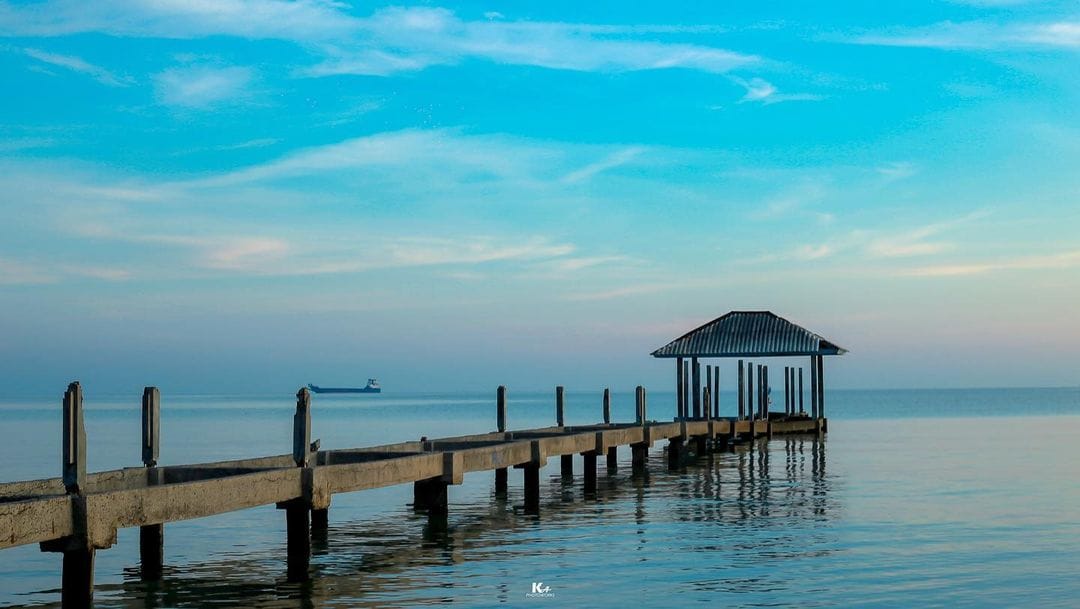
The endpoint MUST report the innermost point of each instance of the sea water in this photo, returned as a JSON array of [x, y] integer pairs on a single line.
[[966, 498]]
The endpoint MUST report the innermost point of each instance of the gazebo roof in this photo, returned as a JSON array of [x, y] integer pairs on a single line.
[[749, 334]]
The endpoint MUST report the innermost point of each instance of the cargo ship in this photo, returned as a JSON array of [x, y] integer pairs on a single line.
[[371, 387]]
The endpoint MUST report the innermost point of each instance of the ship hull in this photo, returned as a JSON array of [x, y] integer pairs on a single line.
[[317, 389]]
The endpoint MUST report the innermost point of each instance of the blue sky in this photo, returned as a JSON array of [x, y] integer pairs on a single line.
[[250, 195]]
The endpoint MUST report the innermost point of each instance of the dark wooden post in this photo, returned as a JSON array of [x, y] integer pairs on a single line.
[[706, 405], [716, 392], [151, 536], [639, 405], [751, 389], [500, 406], [560, 414], [77, 580], [686, 391], [567, 461], [801, 410], [297, 524], [742, 390], [680, 382], [787, 391], [821, 385], [613, 458], [695, 369], [532, 487], [607, 406], [761, 397], [589, 473], [302, 428], [813, 387], [74, 451]]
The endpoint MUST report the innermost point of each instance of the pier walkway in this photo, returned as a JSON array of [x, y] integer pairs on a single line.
[[81, 512]]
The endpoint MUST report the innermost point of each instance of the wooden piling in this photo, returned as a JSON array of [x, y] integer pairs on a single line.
[[675, 452], [685, 414], [695, 369], [77, 580], [589, 471], [751, 389], [302, 428], [298, 541], [706, 404], [613, 458], [74, 440], [680, 387], [532, 487], [787, 390], [821, 386], [716, 392], [560, 404], [607, 406], [813, 388], [151, 536], [801, 409], [742, 391], [500, 408]]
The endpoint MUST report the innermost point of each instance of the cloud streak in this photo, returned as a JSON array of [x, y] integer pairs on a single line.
[[79, 65], [977, 35]]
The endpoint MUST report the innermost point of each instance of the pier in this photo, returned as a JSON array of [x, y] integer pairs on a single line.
[[80, 513]]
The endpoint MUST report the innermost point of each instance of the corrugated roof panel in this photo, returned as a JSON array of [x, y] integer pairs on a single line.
[[748, 334]]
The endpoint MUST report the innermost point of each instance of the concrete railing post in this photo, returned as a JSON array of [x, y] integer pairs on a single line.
[[151, 536]]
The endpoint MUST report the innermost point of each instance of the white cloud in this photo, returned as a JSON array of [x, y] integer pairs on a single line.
[[978, 35], [764, 92], [615, 159], [1061, 260], [897, 171], [77, 64], [202, 87], [391, 40]]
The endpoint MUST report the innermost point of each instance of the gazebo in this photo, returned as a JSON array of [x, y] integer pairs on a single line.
[[748, 334]]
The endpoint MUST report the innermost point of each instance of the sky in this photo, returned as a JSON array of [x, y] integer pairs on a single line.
[[250, 195]]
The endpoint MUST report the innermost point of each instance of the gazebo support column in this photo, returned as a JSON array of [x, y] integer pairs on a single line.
[[695, 370], [680, 380]]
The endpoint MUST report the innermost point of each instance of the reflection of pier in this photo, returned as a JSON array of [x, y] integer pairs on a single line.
[[400, 548]]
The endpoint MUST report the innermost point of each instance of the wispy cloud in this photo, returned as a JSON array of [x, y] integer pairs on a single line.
[[203, 87], [897, 171], [77, 64], [1061, 260], [977, 35], [764, 92], [391, 40], [615, 159]]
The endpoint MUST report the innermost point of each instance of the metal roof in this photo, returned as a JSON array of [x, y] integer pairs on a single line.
[[749, 334]]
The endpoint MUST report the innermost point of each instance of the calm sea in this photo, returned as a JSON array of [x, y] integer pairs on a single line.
[[960, 498]]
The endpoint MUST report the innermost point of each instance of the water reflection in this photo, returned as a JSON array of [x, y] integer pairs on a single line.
[[725, 522]]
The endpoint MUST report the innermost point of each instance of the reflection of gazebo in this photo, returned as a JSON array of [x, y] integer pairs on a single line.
[[745, 334]]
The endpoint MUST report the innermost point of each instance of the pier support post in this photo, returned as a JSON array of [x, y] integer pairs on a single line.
[[298, 541], [431, 496], [320, 519], [686, 391], [639, 456], [589, 471], [706, 400], [500, 473], [77, 581], [560, 404], [607, 406], [566, 466], [613, 458], [813, 388], [751, 388], [675, 453], [151, 536], [532, 488]]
